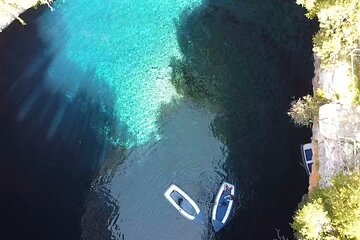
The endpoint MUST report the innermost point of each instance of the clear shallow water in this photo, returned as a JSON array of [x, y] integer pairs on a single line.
[[127, 45], [90, 138]]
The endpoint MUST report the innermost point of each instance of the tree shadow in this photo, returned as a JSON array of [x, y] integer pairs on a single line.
[[52, 143], [248, 59]]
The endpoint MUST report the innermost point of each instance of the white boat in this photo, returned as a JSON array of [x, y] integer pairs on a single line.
[[307, 156], [183, 203], [223, 205]]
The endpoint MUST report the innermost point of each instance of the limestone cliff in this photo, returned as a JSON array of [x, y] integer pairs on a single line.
[[336, 132], [11, 9]]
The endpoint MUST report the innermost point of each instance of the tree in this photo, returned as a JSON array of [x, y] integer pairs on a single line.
[[312, 221], [331, 213], [339, 31], [304, 110]]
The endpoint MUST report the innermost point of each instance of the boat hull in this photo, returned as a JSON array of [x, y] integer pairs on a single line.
[[223, 206], [188, 208], [306, 152]]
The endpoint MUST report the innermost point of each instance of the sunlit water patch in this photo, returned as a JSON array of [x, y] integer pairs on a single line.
[[127, 45]]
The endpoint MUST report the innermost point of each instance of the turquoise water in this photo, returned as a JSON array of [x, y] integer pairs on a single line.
[[125, 44], [92, 78]]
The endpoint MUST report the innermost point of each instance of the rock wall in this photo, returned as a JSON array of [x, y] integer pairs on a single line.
[[336, 133], [11, 9]]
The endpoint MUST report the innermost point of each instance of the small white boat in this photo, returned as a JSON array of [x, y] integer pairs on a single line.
[[183, 203], [307, 157], [223, 205]]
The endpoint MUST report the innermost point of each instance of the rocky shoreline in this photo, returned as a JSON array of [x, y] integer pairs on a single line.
[[336, 131], [10, 10]]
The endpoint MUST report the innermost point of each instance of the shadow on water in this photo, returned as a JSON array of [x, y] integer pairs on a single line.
[[52, 144], [244, 59], [248, 59]]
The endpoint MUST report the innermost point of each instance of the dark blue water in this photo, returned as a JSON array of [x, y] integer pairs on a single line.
[[75, 163]]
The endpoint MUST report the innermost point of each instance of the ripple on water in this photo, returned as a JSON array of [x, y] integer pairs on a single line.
[[184, 156]]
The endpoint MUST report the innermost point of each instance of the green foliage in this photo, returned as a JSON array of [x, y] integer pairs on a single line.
[[311, 221], [41, 2], [343, 200], [304, 110], [331, 213], [357, 93], [356, 82], [339, 28]]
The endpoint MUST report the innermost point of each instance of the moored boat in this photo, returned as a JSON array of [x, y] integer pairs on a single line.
[[223, 205], [183, 203], [307, 157]]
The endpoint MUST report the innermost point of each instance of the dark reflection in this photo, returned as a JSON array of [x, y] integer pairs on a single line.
[[248, 58], [98, 214], [52, 142], [243, 59]]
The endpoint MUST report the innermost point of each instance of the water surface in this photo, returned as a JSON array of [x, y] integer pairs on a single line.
[[92, 130]]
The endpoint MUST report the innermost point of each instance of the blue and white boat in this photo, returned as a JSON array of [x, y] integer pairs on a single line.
[[223, 205], [307, 157], [184, 204]]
